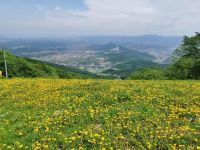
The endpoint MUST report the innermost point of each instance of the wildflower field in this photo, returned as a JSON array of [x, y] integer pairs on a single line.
[[99, 114]]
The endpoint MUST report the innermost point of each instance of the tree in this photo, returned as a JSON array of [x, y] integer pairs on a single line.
[[190, 48], [187, 59], [148, 74], [181, 69]]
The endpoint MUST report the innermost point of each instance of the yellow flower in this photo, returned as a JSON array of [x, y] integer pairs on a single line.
[[20, 133], [36, 129], [46, 129]]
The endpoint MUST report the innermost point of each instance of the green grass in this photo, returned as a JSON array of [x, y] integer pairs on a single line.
[[99, 114]]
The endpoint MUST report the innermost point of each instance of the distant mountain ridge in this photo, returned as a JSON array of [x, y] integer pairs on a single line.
[[169, 41]]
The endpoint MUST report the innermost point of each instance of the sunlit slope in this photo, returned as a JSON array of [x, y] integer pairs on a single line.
[[99, 114], [26, 67]]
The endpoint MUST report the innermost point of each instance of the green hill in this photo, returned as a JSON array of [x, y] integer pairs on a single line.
[[124, 69], [25, 67], [117, 53]]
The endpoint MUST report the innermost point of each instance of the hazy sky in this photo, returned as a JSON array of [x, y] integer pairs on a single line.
[[98, 17]]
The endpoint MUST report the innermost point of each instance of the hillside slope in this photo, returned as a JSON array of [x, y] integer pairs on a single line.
[[25, 67], [124, 69]]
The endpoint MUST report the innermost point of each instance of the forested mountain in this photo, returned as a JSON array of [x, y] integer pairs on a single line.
[[115, 53], [124, 69]]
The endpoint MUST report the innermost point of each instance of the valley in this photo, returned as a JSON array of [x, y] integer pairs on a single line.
[[99, 55]]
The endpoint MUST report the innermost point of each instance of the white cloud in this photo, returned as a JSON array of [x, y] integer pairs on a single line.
[[130, 17], [105, 16], [121, 17]]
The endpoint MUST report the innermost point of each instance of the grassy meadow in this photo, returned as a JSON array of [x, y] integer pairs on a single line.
[[99, 114]]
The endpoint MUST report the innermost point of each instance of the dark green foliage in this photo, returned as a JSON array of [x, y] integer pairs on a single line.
[[149, 74], [187, 64], [184, 68], [24, 67], [190, 47], [195, 70]]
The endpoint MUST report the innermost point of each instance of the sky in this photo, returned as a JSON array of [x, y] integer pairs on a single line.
[[64, 18]]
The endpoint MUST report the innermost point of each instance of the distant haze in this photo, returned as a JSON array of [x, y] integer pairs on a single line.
[[64, 18]]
